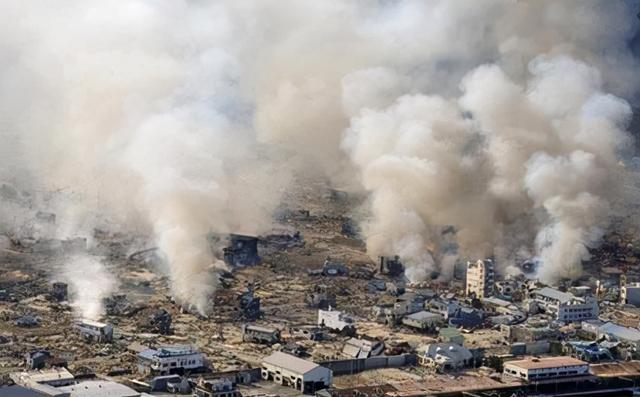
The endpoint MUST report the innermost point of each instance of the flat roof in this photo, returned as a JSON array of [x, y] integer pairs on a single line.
[[290, 363], [546, 362], [422, 315], [92, 323], [554, 294], [616, 369], [19, 391], [47, 375], [99, 388]]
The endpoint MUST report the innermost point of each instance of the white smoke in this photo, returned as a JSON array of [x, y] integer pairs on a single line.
[[503, 119], [89, 283]]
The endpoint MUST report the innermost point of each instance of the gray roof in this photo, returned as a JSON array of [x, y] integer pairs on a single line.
[[99, 388], [620, 332], [423, 315], [19, 391], [290, 363], [554, 294]]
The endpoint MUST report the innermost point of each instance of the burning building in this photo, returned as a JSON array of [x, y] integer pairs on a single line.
[[243, 251]]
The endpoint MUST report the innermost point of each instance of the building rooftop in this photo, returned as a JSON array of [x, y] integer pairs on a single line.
[[423, 315], [552, 293], [99, 388], [290, 363], [44, 376], [19, 391], [92, 323], [546, 362]]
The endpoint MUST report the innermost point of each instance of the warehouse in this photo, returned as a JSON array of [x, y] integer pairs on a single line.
[[302, 375]]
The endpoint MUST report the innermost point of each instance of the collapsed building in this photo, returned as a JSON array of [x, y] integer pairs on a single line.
[[59, 291], [320, 297], [243, 251], [221, 387], [336, 321], [391, 266], [363, 348], [161, 321], [445, 357]]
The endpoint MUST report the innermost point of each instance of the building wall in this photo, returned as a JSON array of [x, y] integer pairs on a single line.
[[353, 366], [546, 373]]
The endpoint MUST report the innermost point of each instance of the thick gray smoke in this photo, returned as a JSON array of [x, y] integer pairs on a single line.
[[179, 118]]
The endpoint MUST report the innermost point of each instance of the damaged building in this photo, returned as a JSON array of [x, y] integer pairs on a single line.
[[160, 321], [336, 321], [480, 279], [362, 348], [168, 360], [243, 251], [259, 334], [302, 375], [391, 267], [94, 331], [564, 306], [445, 357]]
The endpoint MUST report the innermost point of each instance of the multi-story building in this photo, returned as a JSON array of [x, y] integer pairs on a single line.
[[94, 331], [564, 306], [537, 369], [170, 360], [480, 278]]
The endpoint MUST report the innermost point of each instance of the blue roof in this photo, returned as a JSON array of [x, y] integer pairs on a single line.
[[19, 391], [148, 354]]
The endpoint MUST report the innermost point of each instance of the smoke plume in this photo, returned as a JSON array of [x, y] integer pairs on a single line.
[[176, 119]]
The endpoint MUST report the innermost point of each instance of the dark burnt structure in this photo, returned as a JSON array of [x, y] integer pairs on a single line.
[[243, 251]]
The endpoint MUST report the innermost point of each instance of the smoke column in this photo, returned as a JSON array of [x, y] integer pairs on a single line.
[[178, 119]]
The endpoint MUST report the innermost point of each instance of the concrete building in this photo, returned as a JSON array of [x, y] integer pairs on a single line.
[[337, 321], [258, 334], [445, 356], [99, 388], [170, 360], [538, 369], [52, 377], [94, 331], [480, 279], [423, 320], [630, 294], [302, 375], [564, 306]]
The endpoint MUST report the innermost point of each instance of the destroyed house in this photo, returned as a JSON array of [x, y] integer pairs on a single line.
[[363, 348], [222, 387], [445, 356], [170, 360], [94, 331], [243, 251], [337, 321], [258, 334], [391, 266]]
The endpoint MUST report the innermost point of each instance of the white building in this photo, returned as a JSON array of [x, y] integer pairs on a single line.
[[538, 369], [51, 377], [99, 388], [564, 306], [170, 360], [336, 320], [480, 278], [445, 356], [302, 375], [95, 331]]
